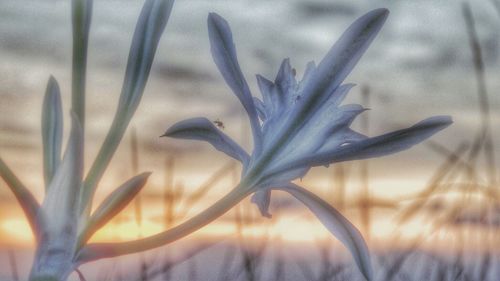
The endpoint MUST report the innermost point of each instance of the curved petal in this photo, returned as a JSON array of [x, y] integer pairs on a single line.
[[342, 136], [323, 126], [308, 74], [323, 80], [372, 147], [343, 56], [262, 199], [391, 142], [280, 95], [224, 55], [337, 224], [286, 86], [261, 109], [202, 129], [266, 89]]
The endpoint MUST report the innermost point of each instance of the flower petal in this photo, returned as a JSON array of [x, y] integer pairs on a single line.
[[202, 129], [280, 132], [344, 54], [374, 147], [333, 69], [337, 224], [52, 127], [224, 55], [286, 86], [392, 142], [340, 137], [112, 205], [309, 72], [261, 109], [262, 198], [323, 125], [266, 89]]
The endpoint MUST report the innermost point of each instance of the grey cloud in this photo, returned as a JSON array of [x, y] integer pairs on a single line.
[[311, 9], [182, 72]]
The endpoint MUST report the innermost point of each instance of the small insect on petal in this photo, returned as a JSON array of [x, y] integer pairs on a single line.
[[203, 129]]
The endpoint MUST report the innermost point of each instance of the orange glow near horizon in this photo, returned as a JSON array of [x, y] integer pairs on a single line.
[[297, 227]]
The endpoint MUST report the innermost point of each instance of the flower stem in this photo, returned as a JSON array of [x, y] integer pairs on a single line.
[[98, 251], [81, 12]]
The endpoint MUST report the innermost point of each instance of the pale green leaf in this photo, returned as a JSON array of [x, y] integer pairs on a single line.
[[52, 129], [149, 28], [25, 198], [112, 205]]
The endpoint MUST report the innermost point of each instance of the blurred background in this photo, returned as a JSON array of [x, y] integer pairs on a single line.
[[435, 207]]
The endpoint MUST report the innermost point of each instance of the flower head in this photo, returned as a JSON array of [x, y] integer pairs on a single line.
[[302, 124]]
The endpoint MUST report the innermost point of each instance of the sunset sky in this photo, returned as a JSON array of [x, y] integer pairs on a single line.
[[419, 66]]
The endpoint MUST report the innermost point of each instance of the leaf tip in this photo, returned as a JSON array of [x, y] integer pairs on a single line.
[[52, 79], [214, 18], [378, 15]]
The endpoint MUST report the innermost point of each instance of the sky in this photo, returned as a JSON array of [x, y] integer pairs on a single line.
[[420, 65]]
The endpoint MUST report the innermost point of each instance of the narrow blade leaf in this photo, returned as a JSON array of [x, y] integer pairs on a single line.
[[25, 198], [112, 205], [152, 21], [149, 28], [60, 205], [337, 224], [52, 129]]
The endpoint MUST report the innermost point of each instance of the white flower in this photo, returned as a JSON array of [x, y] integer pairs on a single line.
[[301, 124]]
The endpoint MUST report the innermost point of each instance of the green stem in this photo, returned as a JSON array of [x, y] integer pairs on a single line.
[[82, 10], [108, 149], [98, 251]]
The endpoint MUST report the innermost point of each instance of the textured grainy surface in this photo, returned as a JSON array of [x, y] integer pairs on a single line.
[[419, 66], [210, 265], [419, 52]]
